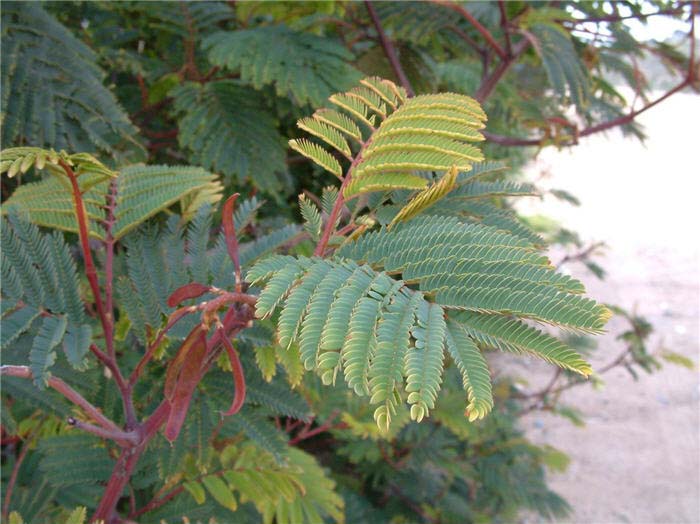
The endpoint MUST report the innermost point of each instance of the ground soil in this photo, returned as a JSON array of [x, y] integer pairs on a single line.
[[638, 458]]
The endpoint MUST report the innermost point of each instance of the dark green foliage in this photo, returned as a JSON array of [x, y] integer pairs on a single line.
[[53, 91], [305, 67], [228, 129]]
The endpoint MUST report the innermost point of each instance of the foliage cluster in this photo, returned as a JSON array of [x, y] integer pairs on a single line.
[[155, 343]]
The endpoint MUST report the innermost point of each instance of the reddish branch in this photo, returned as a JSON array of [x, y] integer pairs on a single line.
[[306, 432], [389, 50], [504, 26], [489, 83], [105, 313], [65, 390], [231, 239], [619, 18], [604, 126], [15, 471], [476, 24]]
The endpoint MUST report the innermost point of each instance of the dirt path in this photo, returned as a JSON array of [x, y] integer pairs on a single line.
[[638, 459]]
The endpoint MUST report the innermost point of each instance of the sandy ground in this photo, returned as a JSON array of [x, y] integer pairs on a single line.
[[638, 459]]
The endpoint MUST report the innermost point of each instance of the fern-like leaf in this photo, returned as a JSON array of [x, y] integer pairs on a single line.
[[424, 133], [305, 66], [227, 129]]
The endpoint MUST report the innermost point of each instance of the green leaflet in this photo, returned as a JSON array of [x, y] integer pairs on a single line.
[[312, 217], [76, 343], [295, 305], [16, 323], [360, 344], [426, 198], [424, 361], [479, 268], [74, 459], [389, 339], [509, 334], [567, 74], [38, 270], [474, 370], [319, 311], [386, 371]]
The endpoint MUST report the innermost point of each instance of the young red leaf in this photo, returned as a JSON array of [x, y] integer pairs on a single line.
[[176, 364], [186, 292], [238, 378], [190, 375]]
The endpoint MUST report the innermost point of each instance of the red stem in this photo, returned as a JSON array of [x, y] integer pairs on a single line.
[[65, 390], [124, 438], [489, 83], [15, 471], [504, 26], [121, 473], [104, 312], [127, 461], [477, 25], [231, 239], [338, 206], [389, 49], [306, 434], [172, 320]]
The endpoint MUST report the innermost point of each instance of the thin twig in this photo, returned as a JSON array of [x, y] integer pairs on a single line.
[[124, 438], [15, 470], [619, 18], [105, 314]]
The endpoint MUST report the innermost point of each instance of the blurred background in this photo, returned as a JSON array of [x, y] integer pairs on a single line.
[[638, 457]]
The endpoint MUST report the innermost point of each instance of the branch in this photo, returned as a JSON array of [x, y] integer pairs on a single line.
[[173, 319], [83, 231], [103, 312], [489, 83], [123, 438], [306, 433], [389, 50], [477, 25], [231, 239], [65, 390], [625, 119], [339, 203], [15, 470], [504, 26]]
